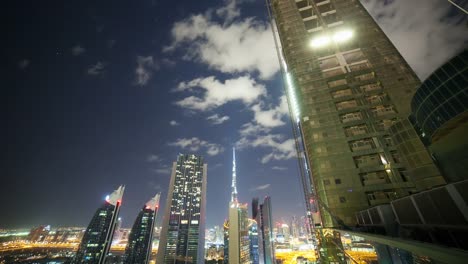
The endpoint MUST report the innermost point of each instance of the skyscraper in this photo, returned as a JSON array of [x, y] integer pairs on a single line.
[[238, 227], [183, 229], [347, 85], [140, 240], [253, 241], [267, 250], [97, 239]]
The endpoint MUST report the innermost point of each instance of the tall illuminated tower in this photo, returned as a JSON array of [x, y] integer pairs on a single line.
[[346, 86], [97, 239], [182, 236], [140, 240], [238, 225]]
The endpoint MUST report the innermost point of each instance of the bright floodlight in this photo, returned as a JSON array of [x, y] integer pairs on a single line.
[[342, 35], [320, 41]]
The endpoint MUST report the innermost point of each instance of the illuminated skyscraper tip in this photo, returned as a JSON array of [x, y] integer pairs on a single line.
[[116, 196], [234, 183], [154, 202]]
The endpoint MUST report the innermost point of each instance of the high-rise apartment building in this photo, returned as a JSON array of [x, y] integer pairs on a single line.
[[183, 230], [140, 240], [347, 85], [97, 238], [253, 241]]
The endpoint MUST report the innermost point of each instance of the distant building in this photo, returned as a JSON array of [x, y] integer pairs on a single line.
[[265, 223], [140, 240], [97, 238], [253, 241], [238, 228], [182, 238], [440, 113], [39, 234]]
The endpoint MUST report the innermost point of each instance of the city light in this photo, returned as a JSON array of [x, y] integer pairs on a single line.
[[292, 97], [338, 37]]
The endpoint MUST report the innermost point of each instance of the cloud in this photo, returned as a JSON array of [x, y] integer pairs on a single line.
[[163, 170], [279, 168], [144, 70], [261, 187], [280, 148], [229, 11], [77, 50], [271, 117], [216, 93], [426, 38], [23, 64], [239, 47], [195, 144], [217, 120], [174, 123], [96, 69], [153, 158]]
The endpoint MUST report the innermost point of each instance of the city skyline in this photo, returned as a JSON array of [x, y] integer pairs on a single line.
[[94, 131]]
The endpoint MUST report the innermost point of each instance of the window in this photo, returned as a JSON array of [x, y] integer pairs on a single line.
[[311, 24], [342, 199], [325, 8], [329, 63], [362, 144], [351, 117], [370, 87], [356, 130], [346, 104], [364, 77], [383, 110], [337, 181], [301, 4], [342, 93], [354, 56], [336, 83], [306, 13]]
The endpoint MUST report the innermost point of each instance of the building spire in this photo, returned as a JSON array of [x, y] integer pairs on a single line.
[[234, 183]]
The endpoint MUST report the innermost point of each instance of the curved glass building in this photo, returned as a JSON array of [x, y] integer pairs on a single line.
[[138, 250], [440, 113], [441, 100], [97, 239]]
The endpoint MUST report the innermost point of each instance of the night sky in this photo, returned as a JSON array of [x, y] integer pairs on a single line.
[[103, 93]]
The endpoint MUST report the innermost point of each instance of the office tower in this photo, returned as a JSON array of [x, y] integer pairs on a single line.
[[182, 238], [266, 232], [254, 208], [253, 241], [238, 227], [439, 112], [140, 240], [97, 238], [346, 86]]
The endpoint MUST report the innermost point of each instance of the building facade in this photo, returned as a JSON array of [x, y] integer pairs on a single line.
[[183, 230], [351, 85], [265, 220], [140, 240], [253, 241], [97, 238], [440, 113]]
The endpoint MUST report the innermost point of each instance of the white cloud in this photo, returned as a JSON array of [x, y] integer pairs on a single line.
[[426, 38], [96, 69], [216, 93], [78, 50], [23, 64], [280, 148], [261, 187], [217, 120], [144, 69], [153, 158], [229, 11], [271, 117], [279, 168], [174, 123], [163, 170], [242, 46], [195, 144]]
